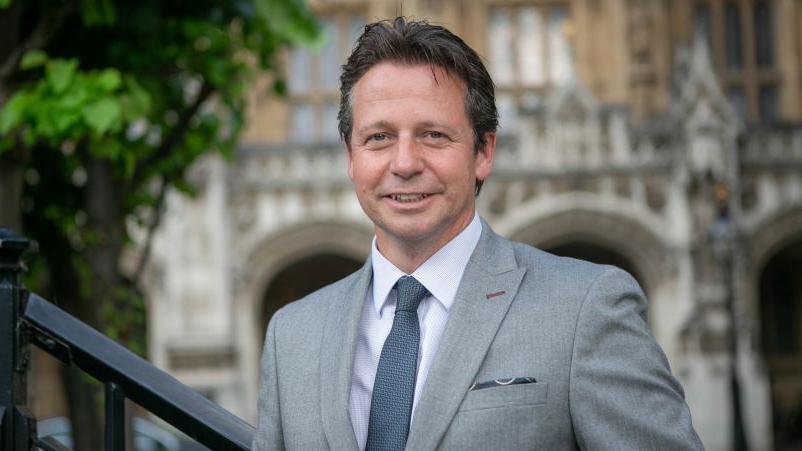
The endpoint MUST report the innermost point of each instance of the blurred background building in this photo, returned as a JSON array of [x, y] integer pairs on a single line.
[[656, 135]]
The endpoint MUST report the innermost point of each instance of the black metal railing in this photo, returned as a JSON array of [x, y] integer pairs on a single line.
[[26, 318]]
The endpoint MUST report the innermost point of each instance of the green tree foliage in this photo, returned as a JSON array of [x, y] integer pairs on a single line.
[[135, 87], [65, 104], [105, 104]]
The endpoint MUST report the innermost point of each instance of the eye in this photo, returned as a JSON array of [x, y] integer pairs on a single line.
[[436, 138], [377, 137]]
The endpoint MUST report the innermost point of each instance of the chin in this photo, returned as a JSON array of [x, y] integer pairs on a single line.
[[410, 235], [415, 232]]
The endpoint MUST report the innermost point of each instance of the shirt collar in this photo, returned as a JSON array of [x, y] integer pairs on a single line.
[[441, 274]]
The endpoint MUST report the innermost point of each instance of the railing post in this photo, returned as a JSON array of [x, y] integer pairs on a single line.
[[17, 426], [115, 417]]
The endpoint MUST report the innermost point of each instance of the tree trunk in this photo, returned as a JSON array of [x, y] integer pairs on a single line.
[[82, 397], [104, 208], [106, 219], [12, 170], [9, 41]]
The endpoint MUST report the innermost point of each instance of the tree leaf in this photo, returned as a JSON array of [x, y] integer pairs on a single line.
[[11, 113], [98, 12], [280, 87], [129, 164], [107, 147], [33, 58], [102, 115], [63, 120], [109, 80], [76, 97], [142, 96], [292, 20], [135, 102], [60, 73]]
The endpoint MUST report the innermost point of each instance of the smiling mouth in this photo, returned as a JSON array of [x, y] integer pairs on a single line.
[[408, 197]]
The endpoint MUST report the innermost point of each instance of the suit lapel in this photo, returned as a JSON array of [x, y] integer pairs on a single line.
[[336, 360], [488, 286]]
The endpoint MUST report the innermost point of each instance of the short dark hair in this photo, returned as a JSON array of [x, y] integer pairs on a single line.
[[418, 42]]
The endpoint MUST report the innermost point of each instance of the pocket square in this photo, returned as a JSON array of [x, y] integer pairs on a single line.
[[502, 382]]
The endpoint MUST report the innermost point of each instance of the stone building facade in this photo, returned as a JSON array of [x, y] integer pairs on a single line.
[[656, 135]]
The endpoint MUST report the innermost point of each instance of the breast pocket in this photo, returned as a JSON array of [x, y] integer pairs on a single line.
[[505, 396]]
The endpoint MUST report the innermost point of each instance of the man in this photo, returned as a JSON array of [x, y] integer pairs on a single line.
[[451, 337]]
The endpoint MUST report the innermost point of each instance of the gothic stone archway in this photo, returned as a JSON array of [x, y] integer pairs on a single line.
[[780, 308]]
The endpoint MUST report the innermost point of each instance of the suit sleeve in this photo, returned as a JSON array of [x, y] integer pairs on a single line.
[[269, 434], [622, 394]]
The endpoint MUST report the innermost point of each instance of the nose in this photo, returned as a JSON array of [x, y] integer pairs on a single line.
[[407, 160]]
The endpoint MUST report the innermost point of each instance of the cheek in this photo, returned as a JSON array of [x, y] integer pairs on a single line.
[[365, 169], [364, 181]]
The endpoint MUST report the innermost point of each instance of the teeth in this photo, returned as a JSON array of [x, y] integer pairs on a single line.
[[407, 197]]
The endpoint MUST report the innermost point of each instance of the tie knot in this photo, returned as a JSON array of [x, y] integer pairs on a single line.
[[410, 293]]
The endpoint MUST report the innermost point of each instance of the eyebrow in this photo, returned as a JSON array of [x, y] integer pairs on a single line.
[[385, 125], [374, 125], [430, 124]]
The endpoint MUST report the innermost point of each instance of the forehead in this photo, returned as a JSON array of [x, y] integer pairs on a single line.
[[389, 81], [389, 78]]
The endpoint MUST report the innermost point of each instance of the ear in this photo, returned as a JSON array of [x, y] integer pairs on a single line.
[[484, 157], [350, 160]]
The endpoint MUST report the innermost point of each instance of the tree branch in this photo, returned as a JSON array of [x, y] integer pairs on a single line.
[[176, 134], [167, 145], [47, 26], [158, 209]]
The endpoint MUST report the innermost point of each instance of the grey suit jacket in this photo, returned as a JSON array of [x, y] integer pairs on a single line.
[[577, 328]]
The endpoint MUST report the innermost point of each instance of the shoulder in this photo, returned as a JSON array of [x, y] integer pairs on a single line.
[[572, 280], [567, 269], [533, 258], [548, 277], [314, 307]]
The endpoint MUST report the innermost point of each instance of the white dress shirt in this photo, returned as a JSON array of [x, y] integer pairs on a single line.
[[441, 275]]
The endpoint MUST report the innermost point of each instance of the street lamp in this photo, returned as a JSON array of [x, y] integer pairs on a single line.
[[723, 235]]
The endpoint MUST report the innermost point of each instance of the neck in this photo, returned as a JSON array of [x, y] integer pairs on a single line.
[[404, 256], [409, 255]]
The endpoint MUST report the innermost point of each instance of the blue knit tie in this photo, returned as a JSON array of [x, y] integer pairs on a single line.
[[394, 387]]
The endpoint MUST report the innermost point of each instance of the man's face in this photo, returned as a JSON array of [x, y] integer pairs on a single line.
[[411, 155]]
